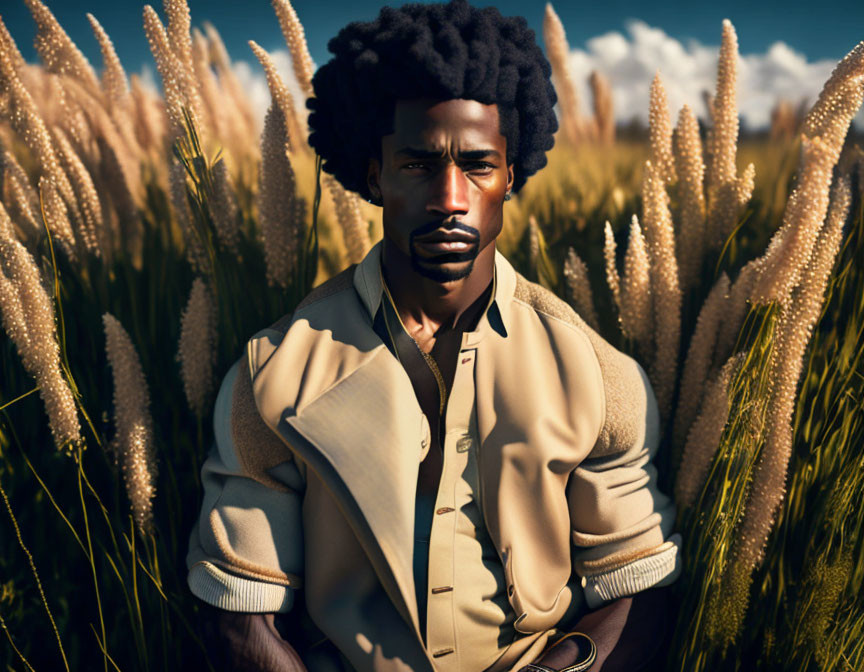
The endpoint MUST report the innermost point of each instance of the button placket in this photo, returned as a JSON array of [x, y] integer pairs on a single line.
[[440, 626]]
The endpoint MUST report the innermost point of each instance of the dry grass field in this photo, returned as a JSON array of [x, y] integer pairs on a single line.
[[144, 238]]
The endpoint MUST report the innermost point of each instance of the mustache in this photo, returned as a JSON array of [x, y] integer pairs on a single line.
[[449, 224]]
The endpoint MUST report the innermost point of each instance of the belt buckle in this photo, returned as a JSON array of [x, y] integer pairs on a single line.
[[581, 665]]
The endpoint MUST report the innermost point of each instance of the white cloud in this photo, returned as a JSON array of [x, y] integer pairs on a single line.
[[630, 62]]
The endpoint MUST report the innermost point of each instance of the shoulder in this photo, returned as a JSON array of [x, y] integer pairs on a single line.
[[629, 398], [264, 342]]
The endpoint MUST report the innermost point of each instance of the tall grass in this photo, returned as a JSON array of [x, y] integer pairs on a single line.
[[183, 228]]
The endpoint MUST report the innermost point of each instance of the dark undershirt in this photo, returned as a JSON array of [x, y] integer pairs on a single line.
[[431, 376]]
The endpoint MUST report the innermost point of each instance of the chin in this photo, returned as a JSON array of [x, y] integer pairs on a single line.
[[441, 270]]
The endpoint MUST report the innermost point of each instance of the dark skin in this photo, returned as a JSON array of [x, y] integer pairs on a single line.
[[443, 169], [462, 179]]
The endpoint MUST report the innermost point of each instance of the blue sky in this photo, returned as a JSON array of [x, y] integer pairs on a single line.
[[788, 49], [826, 29]]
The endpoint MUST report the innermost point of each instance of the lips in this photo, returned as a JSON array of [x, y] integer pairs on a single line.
[[446, 245], [443, 241], [446, 236]]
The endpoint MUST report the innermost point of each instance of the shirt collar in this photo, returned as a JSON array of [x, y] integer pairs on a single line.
[[496, 317]]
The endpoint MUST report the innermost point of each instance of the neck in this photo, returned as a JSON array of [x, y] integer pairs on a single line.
[[429, 306]]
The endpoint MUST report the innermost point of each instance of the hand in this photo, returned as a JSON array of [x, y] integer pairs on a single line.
[[629, 633], [248, 642]]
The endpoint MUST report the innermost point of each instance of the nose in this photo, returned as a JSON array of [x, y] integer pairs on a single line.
[[449, 194]]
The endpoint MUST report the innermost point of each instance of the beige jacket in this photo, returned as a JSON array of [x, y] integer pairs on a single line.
[[311, 483]]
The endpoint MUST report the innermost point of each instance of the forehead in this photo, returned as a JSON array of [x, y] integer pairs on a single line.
[[436, 124]]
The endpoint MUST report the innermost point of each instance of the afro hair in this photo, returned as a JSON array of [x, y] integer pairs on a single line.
[[439, 51]]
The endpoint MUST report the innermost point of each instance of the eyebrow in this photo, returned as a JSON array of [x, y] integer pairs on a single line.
[[470, 154]]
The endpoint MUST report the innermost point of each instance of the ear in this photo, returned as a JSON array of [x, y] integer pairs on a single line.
[[510, 177], [373, 175]]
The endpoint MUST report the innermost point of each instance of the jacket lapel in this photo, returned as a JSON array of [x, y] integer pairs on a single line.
[[363, 438], [362, 434]]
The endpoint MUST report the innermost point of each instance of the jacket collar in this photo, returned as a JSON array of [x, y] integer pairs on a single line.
[[496, 318]]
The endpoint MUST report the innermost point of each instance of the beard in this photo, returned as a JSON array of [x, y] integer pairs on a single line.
[[434, 270], [433, 267]]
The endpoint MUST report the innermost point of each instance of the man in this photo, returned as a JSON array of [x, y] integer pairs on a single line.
[[432, 463]]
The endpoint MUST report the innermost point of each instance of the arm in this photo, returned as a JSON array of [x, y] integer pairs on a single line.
[[628, 633], [621, 525], [246, 551], [247, 642]]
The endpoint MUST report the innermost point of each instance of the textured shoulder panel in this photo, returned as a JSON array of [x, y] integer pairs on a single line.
[[624, 385], [544, 301], [257, 447], [339, 282]]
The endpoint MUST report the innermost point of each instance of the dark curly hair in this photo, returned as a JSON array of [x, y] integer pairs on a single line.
[[440, 51]]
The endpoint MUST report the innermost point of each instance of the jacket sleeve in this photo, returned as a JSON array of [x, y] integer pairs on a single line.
[[621, 522], [246, 550]]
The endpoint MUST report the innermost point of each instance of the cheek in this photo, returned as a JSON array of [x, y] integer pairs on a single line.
[[493, 224]]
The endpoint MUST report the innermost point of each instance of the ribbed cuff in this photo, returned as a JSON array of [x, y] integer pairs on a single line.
[[234, 593], [662, 568]]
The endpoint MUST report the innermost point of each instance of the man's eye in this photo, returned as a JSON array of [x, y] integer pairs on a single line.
[[473, 166]]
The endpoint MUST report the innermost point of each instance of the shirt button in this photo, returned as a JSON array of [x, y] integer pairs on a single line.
[[464, 444]]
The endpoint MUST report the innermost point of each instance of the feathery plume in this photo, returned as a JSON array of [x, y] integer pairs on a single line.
[[57, 217], [18, 194], [825, 129], [734, 312], [699, 357], [726, 194], [660, 131], [56, 48], [223, 208], [558, 53], [277, 191], [636, 295], [28, 124], [690, 171], [28, 317], [114, 82], [797, 320], [197, 347], [665, 290], [133, 440], [579, 286], [838, 102], [604, 111], [19, 204], [355, 229], [704, 436], [295, 38], [11, 309], [91, 209], [175, 85], [281, 97], [180, 41], [612, 278], [10, 49], [179, 25]]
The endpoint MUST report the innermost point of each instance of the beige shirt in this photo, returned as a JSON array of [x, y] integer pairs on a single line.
[[467, 619], [310, 489]]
